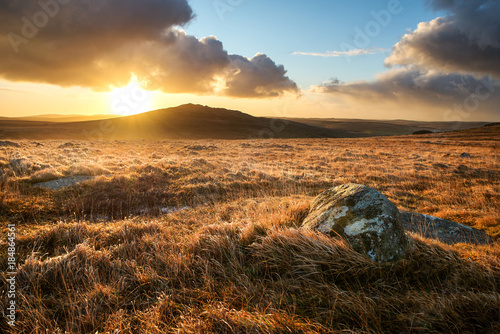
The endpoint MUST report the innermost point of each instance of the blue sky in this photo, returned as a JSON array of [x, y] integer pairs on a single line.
[[279, 28]]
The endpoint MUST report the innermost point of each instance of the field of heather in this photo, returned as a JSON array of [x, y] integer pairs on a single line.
[[204, 237]]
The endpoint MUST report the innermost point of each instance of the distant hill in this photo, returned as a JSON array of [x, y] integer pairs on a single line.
[[184, 122], [372, 128], [59, 118]]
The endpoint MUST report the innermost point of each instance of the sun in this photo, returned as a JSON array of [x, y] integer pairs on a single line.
[[131, 99]]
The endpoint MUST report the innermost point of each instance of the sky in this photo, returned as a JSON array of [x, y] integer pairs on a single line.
[[431, 60]]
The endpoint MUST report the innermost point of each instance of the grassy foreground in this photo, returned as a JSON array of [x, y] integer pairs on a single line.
[[203, 237]]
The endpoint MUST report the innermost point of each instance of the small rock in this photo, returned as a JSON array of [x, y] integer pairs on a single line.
[[446, 231], [64, 182], [465, 155], [364, 217]]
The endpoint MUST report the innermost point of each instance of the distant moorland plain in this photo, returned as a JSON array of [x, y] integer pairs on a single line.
[[191, 121]]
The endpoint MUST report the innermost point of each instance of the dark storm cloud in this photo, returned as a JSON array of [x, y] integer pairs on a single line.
[[99, 43], [466, 40]]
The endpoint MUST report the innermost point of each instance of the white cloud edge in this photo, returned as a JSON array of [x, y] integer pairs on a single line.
[[349, 53]]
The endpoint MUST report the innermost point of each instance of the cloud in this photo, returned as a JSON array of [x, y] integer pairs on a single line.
[[417, 93], [101, 43], [349, 53], [258, 76], [467, 40]]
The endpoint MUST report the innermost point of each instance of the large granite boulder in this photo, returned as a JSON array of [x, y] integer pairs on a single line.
[[364, 217]]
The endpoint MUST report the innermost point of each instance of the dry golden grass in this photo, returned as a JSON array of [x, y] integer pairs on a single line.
[[203, 237]]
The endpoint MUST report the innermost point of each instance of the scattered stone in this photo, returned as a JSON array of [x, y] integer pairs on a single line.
[[465, 155], [446, 231], [64, 183], [7, 143], [364, 217]]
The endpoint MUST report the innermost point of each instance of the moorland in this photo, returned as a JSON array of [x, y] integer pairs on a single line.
[[203, 235]]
